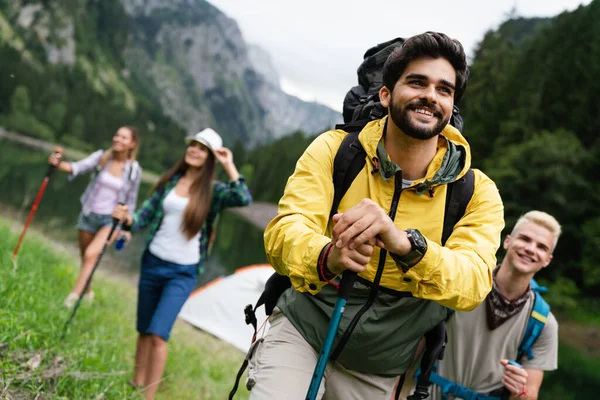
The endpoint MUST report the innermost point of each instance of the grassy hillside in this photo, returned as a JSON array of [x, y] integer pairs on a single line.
[[95, 359]]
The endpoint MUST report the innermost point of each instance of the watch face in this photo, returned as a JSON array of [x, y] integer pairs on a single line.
[[418, 241]]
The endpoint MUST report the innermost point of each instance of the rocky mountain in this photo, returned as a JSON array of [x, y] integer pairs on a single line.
[[206, 74], [154, 60]]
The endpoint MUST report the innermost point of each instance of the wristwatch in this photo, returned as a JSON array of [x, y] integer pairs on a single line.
[[418, 246]]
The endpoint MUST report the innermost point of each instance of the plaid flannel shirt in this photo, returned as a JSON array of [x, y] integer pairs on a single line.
[[224, 195]]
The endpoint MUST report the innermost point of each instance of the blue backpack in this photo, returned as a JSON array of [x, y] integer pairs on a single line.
[[535, 325]]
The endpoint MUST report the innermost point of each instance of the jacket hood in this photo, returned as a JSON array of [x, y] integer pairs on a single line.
[[451, 161]]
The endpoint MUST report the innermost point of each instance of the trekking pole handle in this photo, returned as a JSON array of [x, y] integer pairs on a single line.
[[58, 154], [516, 364], [348, 279], [115, 220]]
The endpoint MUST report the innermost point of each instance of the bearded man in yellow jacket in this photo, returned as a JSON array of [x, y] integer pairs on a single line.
[[388, 230]]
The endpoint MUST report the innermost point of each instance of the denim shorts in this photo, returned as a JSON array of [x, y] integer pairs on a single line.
[[163, 289], [92, 222]]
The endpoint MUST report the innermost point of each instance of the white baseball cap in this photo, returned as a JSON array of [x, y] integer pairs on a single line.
[[207, 137]]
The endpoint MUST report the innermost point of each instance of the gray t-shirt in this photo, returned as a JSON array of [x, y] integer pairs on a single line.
[[473, 353]]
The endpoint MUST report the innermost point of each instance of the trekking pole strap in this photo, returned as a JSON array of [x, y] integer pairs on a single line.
[[249, 382], [399, 386], [457, 390], [237, 379]]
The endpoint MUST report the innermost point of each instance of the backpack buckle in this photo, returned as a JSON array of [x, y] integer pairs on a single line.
[[250, 315]]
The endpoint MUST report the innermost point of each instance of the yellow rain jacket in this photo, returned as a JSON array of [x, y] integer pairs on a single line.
[[457, 276]]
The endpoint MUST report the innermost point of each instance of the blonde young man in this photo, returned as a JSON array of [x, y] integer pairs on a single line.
[[482, 342]]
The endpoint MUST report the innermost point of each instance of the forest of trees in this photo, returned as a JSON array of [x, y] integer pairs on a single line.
[[58, 102], [531, 117]]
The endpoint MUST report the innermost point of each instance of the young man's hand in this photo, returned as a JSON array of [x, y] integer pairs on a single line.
[[345, 258], [514, 379], [365, 222]]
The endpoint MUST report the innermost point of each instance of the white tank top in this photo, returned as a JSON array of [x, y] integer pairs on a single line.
[[170, 243]]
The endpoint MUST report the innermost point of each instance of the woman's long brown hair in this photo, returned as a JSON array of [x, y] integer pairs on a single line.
[[196, 211], [135, 136]]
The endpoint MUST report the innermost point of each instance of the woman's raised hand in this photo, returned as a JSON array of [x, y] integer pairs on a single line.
[[224, 156]]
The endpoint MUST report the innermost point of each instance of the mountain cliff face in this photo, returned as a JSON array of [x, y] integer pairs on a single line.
[[205, 74], [182, 60]]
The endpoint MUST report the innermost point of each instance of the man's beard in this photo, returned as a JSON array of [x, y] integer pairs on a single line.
[[402, 120]]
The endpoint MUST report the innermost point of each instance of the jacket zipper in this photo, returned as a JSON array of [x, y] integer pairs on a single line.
[[380, 267]]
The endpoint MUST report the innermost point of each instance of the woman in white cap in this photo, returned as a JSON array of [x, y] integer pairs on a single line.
[[180, 212]]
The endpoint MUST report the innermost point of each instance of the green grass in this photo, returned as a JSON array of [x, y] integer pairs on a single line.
[[577, 376], [95, 359], [587, 311]]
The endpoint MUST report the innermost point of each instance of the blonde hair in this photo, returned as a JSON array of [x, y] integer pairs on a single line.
[[135, 136], [542, 219]]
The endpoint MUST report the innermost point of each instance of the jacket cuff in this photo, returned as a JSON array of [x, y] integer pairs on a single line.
[[134, 221], [422, 269], [241, 179], [74, 171], [312, 281]]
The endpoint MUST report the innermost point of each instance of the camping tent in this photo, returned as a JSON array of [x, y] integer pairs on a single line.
[[218, 306]]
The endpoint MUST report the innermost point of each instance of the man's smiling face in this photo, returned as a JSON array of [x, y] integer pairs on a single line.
[[421, 103], [529, 248]]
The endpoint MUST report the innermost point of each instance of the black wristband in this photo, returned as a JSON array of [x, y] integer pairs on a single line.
[[325, 275], [126, 227]]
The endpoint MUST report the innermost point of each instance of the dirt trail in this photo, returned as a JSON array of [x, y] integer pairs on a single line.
[[110, 268], [583, 337]]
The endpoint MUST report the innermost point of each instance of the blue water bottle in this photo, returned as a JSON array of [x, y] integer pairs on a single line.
[[120, 243]]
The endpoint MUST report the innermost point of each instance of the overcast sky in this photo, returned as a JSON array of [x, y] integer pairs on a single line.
[[317, 45]]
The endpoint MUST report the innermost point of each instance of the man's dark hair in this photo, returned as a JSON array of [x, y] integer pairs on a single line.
[[428, 44]]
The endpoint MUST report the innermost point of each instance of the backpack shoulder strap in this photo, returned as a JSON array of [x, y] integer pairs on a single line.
[[349, 161], [536, 323], [458, 197], [134, 170]]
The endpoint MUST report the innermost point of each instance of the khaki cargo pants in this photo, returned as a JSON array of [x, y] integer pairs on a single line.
[[283, 364]]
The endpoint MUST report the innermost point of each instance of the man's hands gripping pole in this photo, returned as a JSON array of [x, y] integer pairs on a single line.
[[356, 233]]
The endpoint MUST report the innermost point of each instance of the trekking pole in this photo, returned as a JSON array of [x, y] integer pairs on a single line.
[[89, 279], [51, 168], [346, 284]]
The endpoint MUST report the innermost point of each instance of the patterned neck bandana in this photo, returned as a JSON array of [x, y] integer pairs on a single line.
[[499, 308]]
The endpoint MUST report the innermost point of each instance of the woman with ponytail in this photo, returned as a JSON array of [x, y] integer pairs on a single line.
[[116, 177], [181, 212]]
